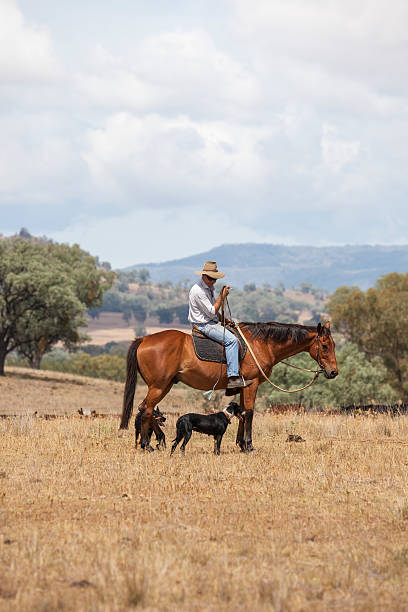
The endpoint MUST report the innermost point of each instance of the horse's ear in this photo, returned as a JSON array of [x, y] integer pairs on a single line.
[[319, 329]]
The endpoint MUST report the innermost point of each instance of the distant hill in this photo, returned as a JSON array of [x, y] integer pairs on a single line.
[[324, 267]]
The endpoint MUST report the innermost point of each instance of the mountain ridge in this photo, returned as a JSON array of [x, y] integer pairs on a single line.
[[325, 267]]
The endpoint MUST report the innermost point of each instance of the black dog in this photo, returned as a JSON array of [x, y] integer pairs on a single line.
[[210, 424], [159, 419]]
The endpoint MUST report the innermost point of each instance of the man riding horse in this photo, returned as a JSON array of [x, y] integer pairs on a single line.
[[168, 357], [204, 316]]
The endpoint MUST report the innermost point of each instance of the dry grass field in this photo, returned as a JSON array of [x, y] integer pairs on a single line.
[[87, 523]]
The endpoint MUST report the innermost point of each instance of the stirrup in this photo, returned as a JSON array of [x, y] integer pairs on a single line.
[[236, 388]]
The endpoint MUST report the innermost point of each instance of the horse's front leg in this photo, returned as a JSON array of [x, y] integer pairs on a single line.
[[249, 415], [240, 433], [244, 434]]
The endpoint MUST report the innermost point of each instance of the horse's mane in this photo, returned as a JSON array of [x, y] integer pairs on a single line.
[[281, 332]]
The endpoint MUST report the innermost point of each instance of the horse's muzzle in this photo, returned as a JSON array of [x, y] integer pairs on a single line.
[[331, 373]]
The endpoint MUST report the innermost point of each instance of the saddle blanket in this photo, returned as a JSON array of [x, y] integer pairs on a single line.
[[207, 349]]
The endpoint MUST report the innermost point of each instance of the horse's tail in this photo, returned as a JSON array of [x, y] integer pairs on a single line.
[[130, 386]]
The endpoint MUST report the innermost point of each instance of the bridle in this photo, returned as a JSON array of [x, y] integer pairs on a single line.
[[322, 370]]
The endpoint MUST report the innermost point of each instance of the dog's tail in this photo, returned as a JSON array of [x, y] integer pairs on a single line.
[[130, 386]]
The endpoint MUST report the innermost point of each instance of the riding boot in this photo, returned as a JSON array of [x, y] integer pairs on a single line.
[[235, 384]]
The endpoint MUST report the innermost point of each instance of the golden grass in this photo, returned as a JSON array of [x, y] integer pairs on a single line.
[[24, 391], [87, 523]]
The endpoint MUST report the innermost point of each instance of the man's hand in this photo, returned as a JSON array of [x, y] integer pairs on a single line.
[[230, 322], [225, 292], [221, 298]]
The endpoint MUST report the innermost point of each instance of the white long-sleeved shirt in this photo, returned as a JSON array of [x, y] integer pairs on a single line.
[[201, 304]]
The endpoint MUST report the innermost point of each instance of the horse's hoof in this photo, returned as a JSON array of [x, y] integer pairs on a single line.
[[247, 449], [148, 449]]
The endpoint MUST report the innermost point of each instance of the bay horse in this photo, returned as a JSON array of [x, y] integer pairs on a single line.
[[168, 357]]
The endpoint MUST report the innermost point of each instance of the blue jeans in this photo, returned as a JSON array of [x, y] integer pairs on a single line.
[[215, 330]]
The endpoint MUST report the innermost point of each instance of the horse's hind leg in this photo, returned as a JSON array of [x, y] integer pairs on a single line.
[[138, 424], [153, 397]]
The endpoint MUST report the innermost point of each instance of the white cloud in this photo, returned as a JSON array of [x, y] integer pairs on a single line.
[[145, 161], [38, 162], [291, 115], [336, 151], [171, 73], [188, 66], [311, 45], [26, 49]]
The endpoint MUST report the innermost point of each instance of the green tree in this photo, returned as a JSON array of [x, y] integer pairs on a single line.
[[126, 310], [144, 275], [181, 313], [165, 313], [306, 287], [140, 305], [112, 302], [376, 321], [112, 367], [45, 289]]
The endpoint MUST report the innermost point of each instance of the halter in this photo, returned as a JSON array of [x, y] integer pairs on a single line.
[[318, 355]]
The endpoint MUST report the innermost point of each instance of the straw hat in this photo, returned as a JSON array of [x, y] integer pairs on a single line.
[[210, 269]]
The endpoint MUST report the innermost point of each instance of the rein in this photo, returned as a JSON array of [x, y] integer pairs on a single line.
[[290, 365], [316, 372], [208, 394]]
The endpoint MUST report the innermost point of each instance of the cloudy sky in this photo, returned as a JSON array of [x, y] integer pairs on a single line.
[[147, 131]]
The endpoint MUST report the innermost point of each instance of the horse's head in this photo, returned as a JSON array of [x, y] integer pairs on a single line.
[[322, 350]]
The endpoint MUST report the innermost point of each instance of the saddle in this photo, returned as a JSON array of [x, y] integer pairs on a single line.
[[207, 349]]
